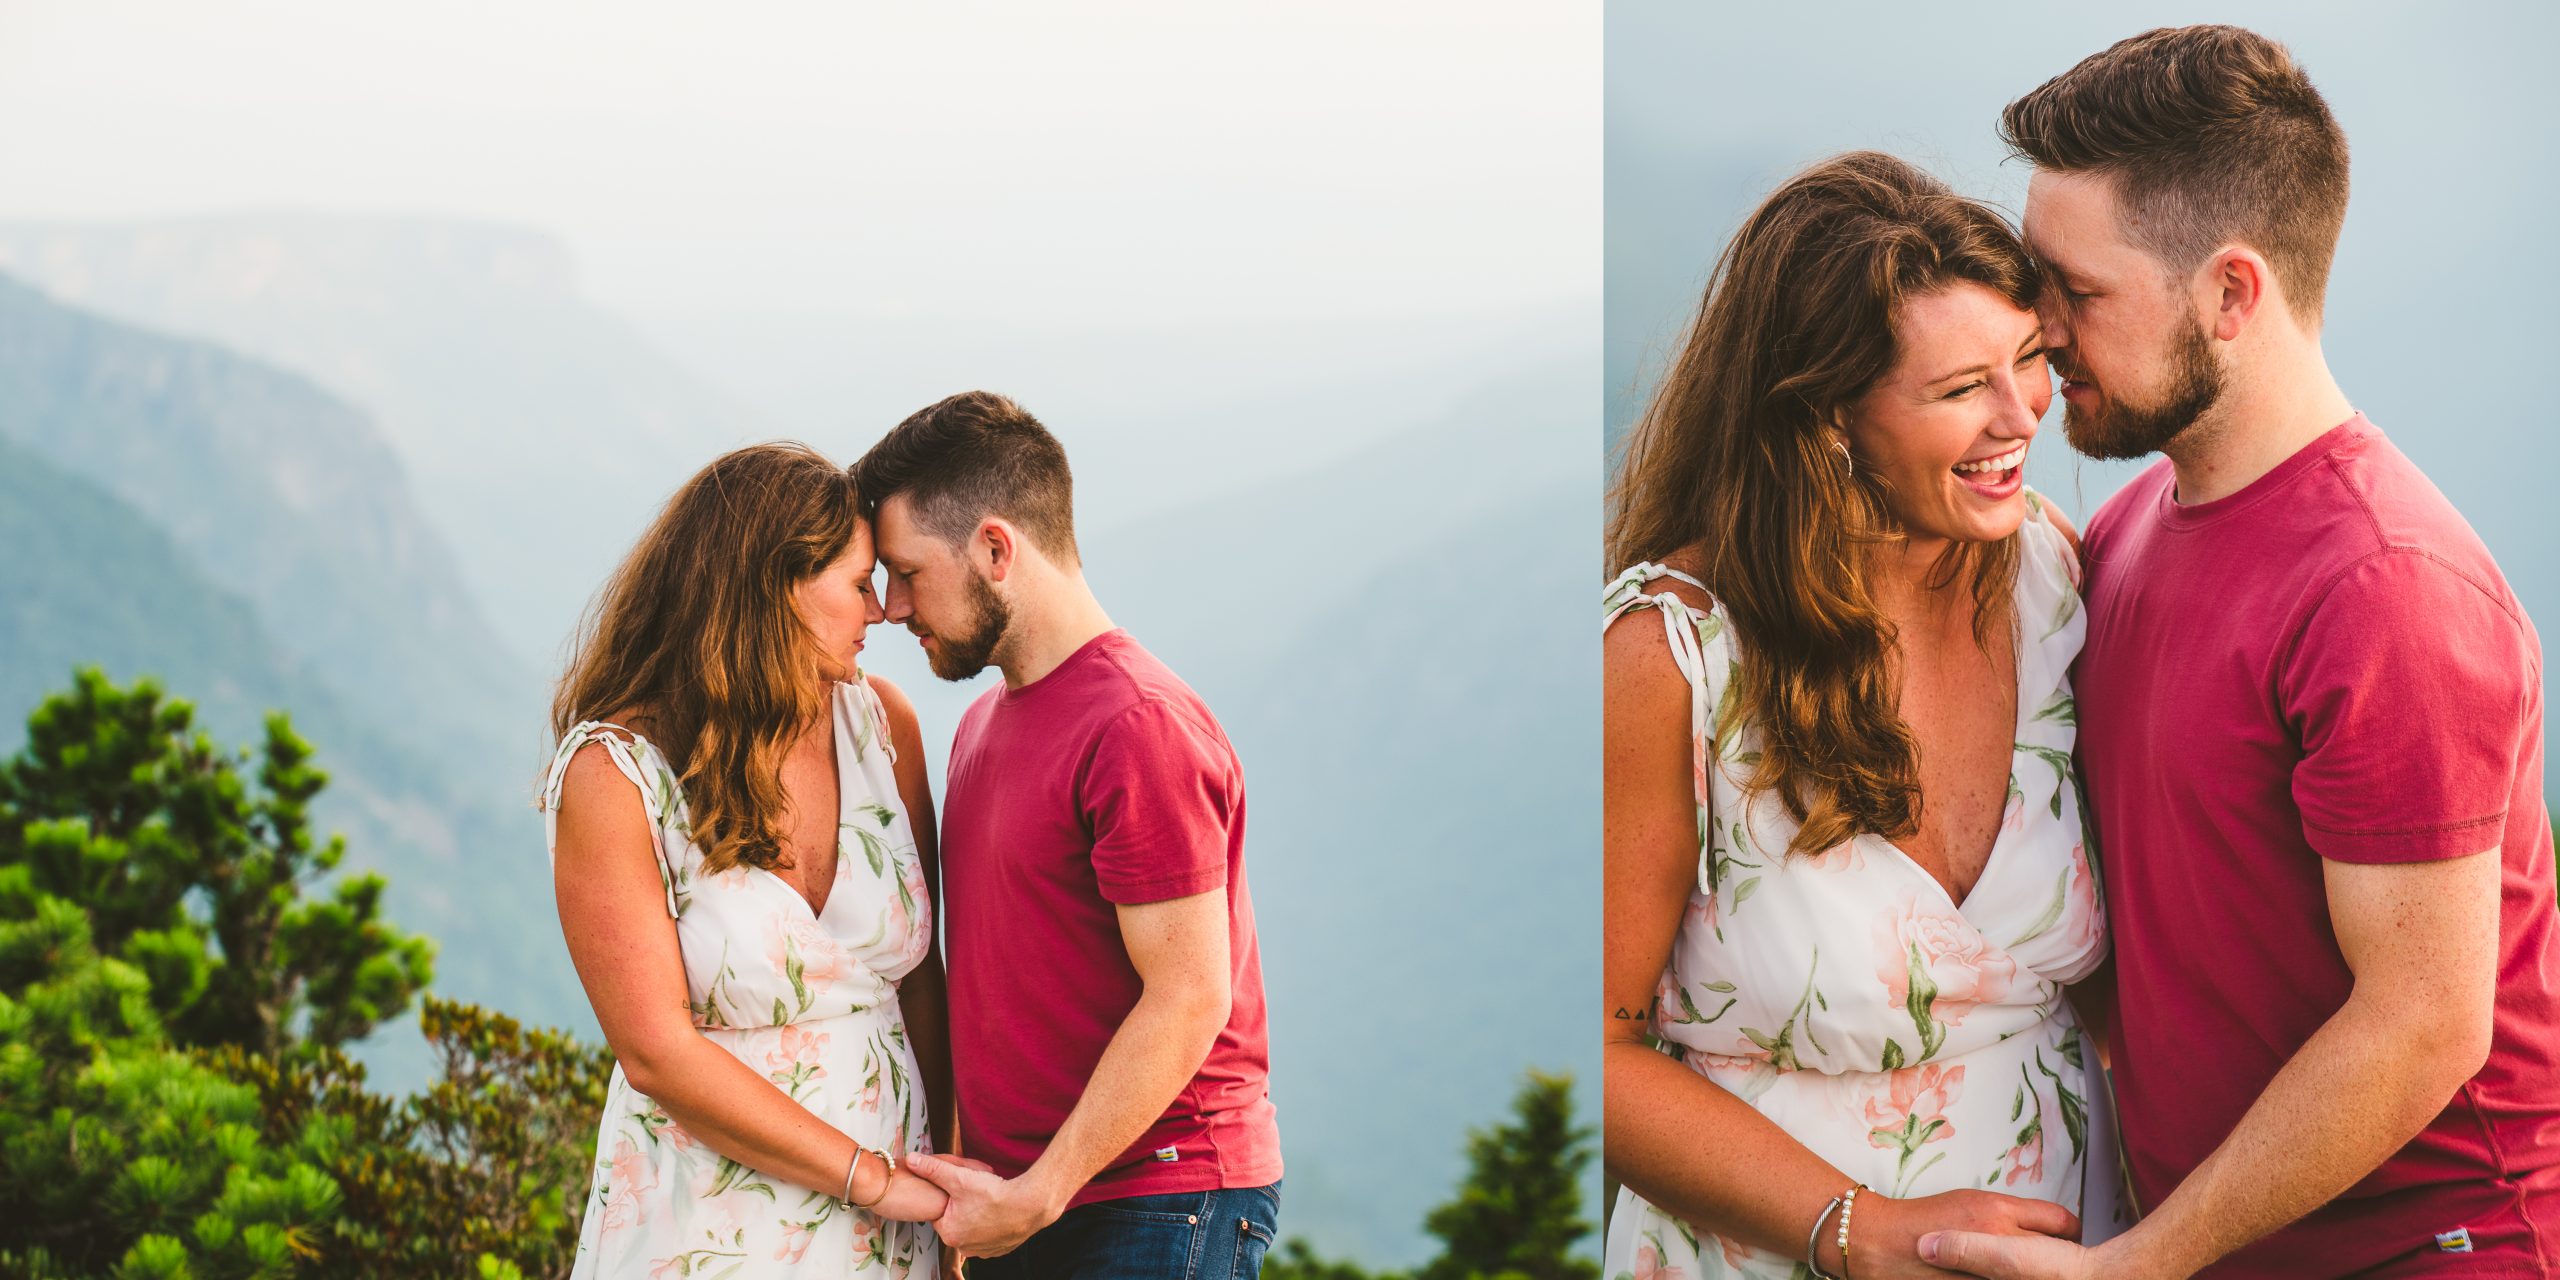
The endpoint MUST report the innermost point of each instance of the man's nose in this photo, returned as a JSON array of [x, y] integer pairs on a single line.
[[2053, 311]]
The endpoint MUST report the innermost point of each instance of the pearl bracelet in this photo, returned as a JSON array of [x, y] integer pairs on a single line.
[[1848, 1205]]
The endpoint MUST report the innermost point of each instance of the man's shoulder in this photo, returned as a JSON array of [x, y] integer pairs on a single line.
[[2403, 509], [1140, 677], [1148, 698], [2378, 529], [2401, 550]]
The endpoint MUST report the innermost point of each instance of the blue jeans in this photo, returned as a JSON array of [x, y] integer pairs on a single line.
[[1189, 1235]]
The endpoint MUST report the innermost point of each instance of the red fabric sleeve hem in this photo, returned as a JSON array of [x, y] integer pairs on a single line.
[[1136, 893], [2421, 844]]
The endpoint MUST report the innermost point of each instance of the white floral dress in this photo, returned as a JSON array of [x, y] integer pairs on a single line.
[[810, 1001], [1918, 1044]]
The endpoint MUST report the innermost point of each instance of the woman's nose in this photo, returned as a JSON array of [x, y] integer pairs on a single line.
[[2022, 403]]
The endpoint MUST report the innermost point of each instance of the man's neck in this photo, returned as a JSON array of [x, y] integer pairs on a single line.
[[1050, 623], [2268, 411]]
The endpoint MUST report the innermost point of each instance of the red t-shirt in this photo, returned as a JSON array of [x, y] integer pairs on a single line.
[[1103, 782], [2325, 664]]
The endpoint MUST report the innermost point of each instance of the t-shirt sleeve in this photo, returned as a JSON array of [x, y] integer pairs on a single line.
[[2410, 691], [1162, 795]]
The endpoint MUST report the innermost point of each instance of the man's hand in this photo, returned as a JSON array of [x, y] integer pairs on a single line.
[[952, 1259], [2010, 1257], [988, 1216], [1888, 1231]]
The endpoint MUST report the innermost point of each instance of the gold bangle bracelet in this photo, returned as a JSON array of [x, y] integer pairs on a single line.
[[888, 1174], [851, 1166]]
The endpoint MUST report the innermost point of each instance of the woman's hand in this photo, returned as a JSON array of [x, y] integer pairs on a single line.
[[909, 1199], [1884, 1233]]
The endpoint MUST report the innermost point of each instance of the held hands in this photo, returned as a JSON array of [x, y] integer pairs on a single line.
[[1885, 1235], [911, 1199], [986, 1216], [898, 1197], [2011, 1257]]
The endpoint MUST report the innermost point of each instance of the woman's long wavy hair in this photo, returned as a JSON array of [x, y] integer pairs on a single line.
[[1735, 458], [697, 636]]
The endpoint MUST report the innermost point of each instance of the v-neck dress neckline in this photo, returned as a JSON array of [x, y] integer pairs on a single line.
[[840, 747], [2018, 755]]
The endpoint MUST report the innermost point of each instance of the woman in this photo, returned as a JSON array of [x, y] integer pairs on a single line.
[[742, 837], [1845, 879]]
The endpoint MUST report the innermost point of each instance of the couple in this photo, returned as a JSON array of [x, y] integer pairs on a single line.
[[744, 849], [1857, 954]]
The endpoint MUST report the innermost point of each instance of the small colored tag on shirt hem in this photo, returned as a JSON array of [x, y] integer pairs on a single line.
[[2457, 1240], [1168, 1155]]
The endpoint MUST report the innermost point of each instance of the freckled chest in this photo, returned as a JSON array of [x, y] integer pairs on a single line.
[[809, 825], [1962, 707]]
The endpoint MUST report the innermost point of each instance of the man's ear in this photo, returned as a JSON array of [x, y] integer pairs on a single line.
[[998, 546], [2237, 284]]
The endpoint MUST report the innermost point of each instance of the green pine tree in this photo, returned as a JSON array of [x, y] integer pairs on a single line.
[[194, 874], [174, 1096], [1519, 1212], [118, 1152]]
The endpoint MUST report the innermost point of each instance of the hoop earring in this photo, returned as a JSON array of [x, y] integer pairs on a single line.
[[1842, 446]]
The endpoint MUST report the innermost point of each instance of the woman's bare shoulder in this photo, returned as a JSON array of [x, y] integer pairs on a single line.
[[893, 700]]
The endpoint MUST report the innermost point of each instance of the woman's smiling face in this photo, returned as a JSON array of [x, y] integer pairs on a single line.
[[1945, 431]]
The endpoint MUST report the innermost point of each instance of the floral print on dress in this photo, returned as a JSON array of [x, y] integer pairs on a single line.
[[809, 999], [1914, 1042], [1936, 967], [1908, 1114]]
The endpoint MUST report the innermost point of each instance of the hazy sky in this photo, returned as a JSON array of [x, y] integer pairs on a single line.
[[1122, 162]]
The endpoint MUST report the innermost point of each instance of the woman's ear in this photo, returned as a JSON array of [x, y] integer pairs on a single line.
[[1833, 430]]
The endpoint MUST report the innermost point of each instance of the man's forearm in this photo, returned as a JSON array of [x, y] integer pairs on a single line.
[[1155, 1053], [2360, 1088]]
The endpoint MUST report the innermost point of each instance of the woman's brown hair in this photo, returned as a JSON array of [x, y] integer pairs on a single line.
[[697, 635], [1736, 458]]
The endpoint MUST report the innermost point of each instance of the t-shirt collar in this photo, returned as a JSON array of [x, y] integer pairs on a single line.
[[2180, 515], [1088, 651]]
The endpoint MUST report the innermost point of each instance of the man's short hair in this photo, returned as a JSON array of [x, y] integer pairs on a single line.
[[2213, 135], [974, 455]]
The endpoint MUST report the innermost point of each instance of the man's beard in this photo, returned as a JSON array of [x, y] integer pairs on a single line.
[[2117, 429], [959, 655]]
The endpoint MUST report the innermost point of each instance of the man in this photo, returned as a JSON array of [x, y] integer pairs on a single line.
[[2310, 721], [1108, 1035]]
